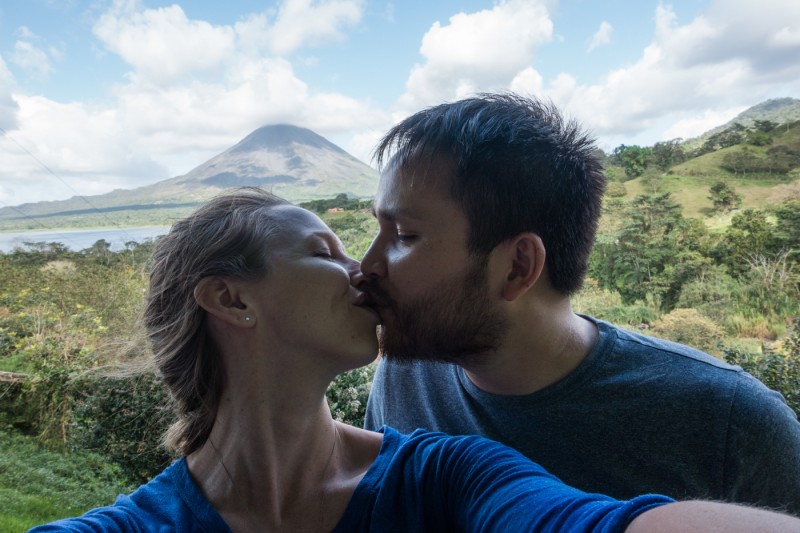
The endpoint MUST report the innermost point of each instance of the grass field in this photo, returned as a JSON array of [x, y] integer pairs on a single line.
[[39, 485]]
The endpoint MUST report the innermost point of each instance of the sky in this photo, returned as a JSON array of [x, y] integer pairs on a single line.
[[97, 95]]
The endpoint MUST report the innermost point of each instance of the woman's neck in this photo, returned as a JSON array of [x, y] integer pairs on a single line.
[[268, 470], [275, 459]]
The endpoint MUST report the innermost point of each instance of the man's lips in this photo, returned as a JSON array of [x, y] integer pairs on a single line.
[[365, 301]]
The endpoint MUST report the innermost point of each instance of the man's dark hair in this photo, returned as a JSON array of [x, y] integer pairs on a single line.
[[519, 167]]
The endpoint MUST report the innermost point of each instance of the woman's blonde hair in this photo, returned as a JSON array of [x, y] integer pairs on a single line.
[[225, 237]]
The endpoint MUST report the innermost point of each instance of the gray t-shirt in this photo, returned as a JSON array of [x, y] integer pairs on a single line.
[[639, 415]]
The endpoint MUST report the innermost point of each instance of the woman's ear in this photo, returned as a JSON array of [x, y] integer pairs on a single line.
[[524, 256], [221, 298]]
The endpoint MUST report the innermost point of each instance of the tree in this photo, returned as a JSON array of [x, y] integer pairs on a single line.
[[781, 159], [730, 136], [742, 162], [668, 153], [634, 159], [758, 138], [765, 125], [749, 235], [713, 293], [724, 197], [101, 251], [640, 257], [651, 179], [787, 226]]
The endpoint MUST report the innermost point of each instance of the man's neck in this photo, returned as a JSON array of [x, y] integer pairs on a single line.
[[539, 351]]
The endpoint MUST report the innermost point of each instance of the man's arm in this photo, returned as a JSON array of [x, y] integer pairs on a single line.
[[711, 517]]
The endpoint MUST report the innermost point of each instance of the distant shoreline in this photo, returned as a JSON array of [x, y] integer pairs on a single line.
[[81, 238], [71, 229]]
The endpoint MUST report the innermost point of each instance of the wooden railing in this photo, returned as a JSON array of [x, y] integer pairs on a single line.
[[12, 377]]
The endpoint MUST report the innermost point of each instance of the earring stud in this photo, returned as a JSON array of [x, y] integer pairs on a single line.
[[247, 319]]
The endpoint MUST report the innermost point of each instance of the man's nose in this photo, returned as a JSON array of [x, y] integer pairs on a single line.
[[373, 264]]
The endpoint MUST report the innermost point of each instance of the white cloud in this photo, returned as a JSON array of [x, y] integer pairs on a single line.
[[84, 146], [720, 59], [477, 51], [31, 59], [527, 81], [8, 106], [388, 13], [601, 36], [26, 33], [297, 24], [303, 23], [695, 126], [162, 44], [786, 37], [362, 144]]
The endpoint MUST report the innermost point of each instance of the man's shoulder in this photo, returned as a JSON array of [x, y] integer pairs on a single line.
[[643, 357], [638, 346]]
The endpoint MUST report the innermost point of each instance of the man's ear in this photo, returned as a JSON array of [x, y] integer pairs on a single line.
[[221, 298], [524, 257]]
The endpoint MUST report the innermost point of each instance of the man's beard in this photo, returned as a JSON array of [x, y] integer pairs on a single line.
[[453, 323]]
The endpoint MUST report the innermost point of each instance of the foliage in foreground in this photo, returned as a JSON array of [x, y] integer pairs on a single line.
[[778, 369], [39, 485]]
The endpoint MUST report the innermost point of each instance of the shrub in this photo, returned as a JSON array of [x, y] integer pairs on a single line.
[[778, 369], [713, 296], [347, 395], [124, 419], [635, 314], [754, 326], [689, 327], [607, 305], [616, 189]]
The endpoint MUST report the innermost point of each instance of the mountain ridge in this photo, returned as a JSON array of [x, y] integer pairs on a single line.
[[779, 110], [295, 163]]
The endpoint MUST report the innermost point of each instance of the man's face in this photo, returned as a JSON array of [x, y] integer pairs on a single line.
[[431, 293]]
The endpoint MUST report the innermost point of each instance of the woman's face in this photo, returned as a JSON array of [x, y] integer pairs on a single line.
[[308, 300]]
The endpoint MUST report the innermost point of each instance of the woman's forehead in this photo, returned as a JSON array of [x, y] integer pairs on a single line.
[[297, 217], [295, 221]]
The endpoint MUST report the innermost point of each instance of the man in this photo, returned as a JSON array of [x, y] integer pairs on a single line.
[[488, 209]]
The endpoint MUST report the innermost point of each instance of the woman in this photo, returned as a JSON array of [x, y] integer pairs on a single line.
[[253, 309]]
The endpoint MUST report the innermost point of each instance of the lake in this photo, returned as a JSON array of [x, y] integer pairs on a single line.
[[77, 240]]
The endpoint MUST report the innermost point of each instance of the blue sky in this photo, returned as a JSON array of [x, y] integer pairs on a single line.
[[100, 94]]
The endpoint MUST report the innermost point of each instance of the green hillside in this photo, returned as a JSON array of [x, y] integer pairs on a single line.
[[767, 173]]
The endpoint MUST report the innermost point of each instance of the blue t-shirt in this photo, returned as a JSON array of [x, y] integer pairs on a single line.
[[639, 415], [419, 482]]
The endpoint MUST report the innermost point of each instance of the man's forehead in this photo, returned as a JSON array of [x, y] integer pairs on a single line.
[[415, 176], [413, 194]]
